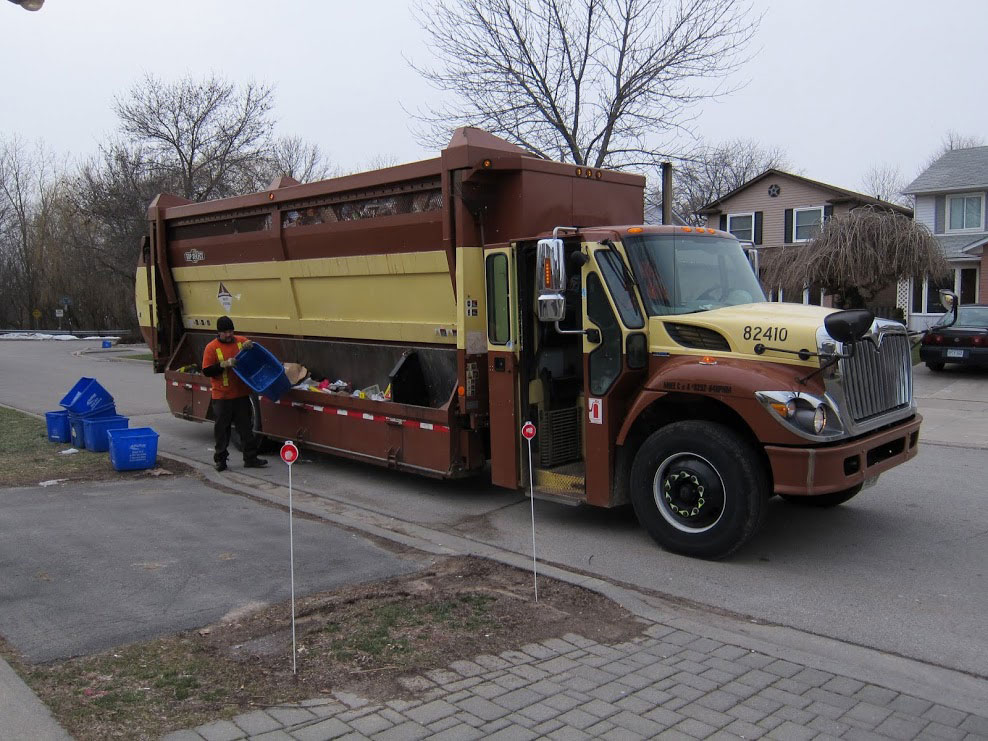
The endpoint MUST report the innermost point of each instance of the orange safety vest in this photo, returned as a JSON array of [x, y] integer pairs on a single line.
[[227, 385]]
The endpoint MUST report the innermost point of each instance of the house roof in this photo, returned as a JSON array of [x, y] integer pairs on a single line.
[[957, 246], [840, 195], [958, 169]]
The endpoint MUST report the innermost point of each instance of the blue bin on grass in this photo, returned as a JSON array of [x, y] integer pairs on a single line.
[[59, 430], [262, 371], [77, 423], [132, 449], [95, 429], [86, 396]]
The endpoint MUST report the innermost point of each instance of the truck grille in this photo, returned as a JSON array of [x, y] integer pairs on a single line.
[[878, 380]]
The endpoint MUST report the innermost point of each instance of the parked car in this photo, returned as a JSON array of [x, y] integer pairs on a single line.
[[964, 343]]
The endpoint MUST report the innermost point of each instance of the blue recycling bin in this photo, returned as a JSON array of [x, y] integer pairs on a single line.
[[86, 396], [262, 371], [95, 431], [59, 430], [133, 448]]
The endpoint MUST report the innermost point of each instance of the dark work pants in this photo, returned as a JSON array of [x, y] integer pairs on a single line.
[[230, 412]]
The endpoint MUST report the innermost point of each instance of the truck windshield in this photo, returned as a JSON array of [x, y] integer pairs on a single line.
[[680, 274]]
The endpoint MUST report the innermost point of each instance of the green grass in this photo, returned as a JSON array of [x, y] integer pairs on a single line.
[[27, 456], [387, 634]]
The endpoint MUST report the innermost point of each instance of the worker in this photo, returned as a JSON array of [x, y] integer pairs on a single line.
[[230, 396]]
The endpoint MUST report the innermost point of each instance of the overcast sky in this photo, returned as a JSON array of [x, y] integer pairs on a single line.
[[840, 85]]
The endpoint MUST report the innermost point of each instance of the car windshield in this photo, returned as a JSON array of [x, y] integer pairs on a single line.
[[972, 316], [682, 274]]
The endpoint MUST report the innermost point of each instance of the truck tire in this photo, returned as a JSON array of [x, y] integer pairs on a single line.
[[824, 500], [698, 489]]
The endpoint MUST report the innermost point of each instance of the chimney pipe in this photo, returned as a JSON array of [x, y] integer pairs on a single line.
[[666, 192]]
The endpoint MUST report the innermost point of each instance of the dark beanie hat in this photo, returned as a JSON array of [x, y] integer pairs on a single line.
[[224, 324]]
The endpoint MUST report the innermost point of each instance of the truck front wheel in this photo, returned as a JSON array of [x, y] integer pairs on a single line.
[[698, 489]]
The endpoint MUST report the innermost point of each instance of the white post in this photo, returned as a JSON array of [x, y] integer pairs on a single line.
[[531, 492], [291, 545]]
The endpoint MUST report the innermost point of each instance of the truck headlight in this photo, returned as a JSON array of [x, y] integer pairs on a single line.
[[805, 414]]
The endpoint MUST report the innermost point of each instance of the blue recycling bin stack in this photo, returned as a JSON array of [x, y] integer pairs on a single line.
[[262, 371], [77, 423]]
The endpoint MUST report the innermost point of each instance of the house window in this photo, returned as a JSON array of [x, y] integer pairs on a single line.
[[926, 292], [742, 226], [965, 212], [806, 223]]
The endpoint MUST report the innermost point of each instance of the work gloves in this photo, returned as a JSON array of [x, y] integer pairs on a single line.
[[248, 344], [229, 363]]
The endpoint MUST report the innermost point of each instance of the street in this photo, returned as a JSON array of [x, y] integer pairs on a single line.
[[900, 569]]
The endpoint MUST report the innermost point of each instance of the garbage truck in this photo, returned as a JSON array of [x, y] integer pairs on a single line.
[[438, 306]]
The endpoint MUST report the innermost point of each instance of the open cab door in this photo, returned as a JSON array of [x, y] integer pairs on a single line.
[[500, 271]]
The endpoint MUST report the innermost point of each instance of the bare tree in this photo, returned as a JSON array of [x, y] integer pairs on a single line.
[[28, 187], [594, 82], [297, 159], [714, 171], [857, 255], [210, 132], [886, 182], [953, 140]]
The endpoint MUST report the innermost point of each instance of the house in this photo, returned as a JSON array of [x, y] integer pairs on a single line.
[[950, 200], [777, 209]]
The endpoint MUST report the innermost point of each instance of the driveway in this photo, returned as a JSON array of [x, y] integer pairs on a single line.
[[86, 567], [954, 405]]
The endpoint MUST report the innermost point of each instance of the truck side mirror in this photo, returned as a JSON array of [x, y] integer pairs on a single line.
[[751, 252], [550, 277], [950, 302], [850, 325]]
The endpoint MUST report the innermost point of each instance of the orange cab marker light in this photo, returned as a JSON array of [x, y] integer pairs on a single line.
[[270, 196], [579, 171], [708, 360], [686, 228], [635, 230], [487, 163], [461, 391], [597, 174], [780, 408], [711, 231]]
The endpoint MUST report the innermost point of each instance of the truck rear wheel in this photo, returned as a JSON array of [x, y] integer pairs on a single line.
[[698, 489]]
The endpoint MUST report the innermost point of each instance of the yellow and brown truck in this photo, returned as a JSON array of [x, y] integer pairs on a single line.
[[487, 287]]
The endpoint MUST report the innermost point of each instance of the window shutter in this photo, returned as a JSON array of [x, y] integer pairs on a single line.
[[758, 227], [723, 222], [828, 212], [787, 235], [939, 217]]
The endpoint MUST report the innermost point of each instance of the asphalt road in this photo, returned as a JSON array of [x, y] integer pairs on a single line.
[[901, 568]]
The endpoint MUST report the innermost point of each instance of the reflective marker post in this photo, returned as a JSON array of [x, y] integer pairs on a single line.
[[528, 432], [289, 454]]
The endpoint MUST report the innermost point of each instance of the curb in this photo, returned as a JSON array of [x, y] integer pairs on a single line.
[[944, 686]]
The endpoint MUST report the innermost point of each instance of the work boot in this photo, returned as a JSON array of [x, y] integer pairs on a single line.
[[220, 465], [256, 463]]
